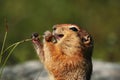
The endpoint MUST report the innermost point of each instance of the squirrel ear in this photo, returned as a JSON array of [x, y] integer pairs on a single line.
[[86, 39]]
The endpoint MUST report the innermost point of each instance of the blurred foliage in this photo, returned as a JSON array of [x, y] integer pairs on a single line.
[[101, 18]]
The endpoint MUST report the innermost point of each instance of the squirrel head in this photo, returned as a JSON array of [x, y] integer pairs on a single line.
[[60, 31]]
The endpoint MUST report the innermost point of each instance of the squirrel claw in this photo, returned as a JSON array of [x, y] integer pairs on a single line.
[[48, 36]]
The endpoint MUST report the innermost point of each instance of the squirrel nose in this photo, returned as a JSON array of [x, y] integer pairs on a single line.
[[34, 35]]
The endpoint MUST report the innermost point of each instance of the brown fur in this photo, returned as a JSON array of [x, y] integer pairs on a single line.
[[68, 58]]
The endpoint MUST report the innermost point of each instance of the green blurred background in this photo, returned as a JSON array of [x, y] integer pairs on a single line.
[[101, 18]]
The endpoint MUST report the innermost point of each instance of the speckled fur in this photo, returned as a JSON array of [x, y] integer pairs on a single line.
[[69, 58]]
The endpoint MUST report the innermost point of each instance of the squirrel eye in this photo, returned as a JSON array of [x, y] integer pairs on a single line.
[[74, 29]]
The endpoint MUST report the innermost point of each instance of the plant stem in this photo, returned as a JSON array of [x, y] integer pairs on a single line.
[[2, 68], [3, 45], [16, 43], [14, 46]]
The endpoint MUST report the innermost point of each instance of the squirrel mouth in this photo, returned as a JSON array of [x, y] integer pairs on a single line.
[[59, 36]]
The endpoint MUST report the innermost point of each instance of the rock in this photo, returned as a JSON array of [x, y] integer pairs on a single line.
[[105, 71], [34, 70]]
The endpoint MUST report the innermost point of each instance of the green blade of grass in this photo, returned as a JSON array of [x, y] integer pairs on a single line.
[[16, 43], [14, 46], [5, 36], [3, 45], [4, 63]]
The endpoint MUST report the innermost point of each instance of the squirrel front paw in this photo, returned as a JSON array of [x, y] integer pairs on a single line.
[[48, 36]]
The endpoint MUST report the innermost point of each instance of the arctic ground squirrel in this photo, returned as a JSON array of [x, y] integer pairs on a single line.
[[66, 52]]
